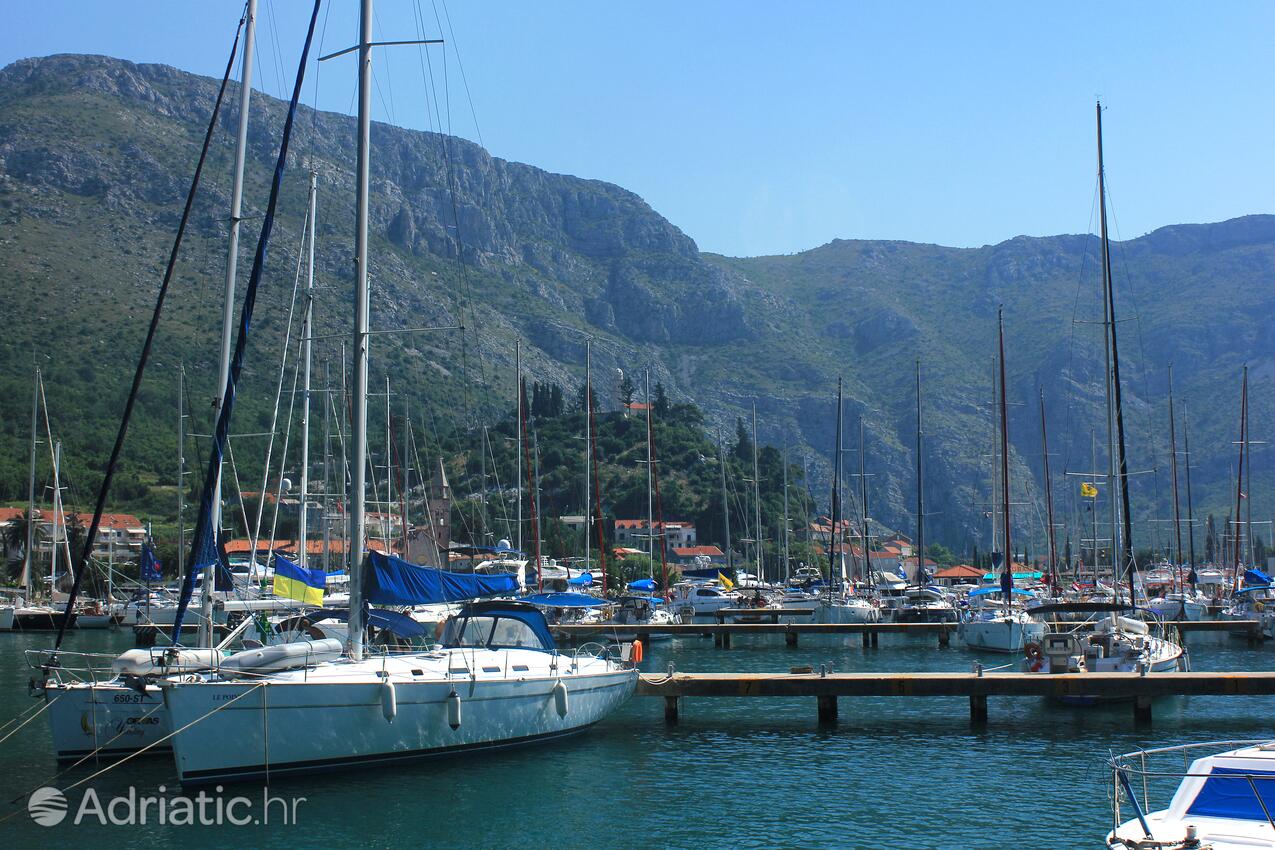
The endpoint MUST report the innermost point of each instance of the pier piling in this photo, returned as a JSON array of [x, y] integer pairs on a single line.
[[978, 708], [827, 709]]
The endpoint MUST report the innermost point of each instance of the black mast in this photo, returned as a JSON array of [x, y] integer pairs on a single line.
[[921, 576], [1007, 576], [1109, 293]]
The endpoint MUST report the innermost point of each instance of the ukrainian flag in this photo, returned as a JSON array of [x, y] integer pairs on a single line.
[[294, 582]]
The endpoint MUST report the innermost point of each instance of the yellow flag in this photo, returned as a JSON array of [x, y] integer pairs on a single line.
[[1088, 491], [726, 583]]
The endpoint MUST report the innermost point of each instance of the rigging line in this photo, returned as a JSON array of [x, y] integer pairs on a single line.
[[461, 66], [59, 514], [1071, 339], [389, 78], [277, 48], [255, 534], [283, 456], [203, 549], [111, 464]]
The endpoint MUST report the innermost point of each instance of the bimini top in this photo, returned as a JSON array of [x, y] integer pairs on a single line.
[[499, 624]]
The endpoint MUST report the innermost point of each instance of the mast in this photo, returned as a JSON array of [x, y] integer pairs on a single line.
[[996, 453], [1248, 478], [59, 519], [360, 337], [721, 453], [1093, 507], [863, 503], [307, 333], [28, 553], [920, 486], [1173, 470], [519, 450], [1190, 514], [588, 450], [787, 570], [650, 474], [1004, 418], [181, 471], [1126, 541], [228, 310], [327, 467], [836, 495], [533, 491], [1049, 495], [761, 578], [1239, 476]]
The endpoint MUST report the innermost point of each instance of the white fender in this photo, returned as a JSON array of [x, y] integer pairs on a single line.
[[560, 698], [453, 710], [389, 701]]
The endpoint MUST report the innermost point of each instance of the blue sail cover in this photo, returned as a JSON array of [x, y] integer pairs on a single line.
[[389, 580], [582, 580], [564, 600], [1256, 577], [1228, 794], [647, 584]]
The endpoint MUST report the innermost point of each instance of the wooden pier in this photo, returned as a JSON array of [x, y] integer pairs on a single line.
[[977, 687], [871, 632]]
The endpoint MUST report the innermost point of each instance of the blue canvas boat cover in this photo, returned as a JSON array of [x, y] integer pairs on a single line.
[[647, 584], [1256, 577], [582, 580], [389, 580], [1227, 793], [396, 622]]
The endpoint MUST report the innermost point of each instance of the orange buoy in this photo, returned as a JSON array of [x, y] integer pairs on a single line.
[[636, 655]]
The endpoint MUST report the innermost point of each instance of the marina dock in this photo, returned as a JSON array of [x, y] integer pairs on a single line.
[[871, 632], [827, 688]]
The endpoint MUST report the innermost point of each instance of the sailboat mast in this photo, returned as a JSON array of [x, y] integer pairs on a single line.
[[787, 570], [721, 454], [358, 434], [1239, 478], [588, 451], [1049, 495], [650, 472], [232, 267], [761, 578], [307, 334], [59, 519], [920, 485], [1190, 511], [1004, 417], [327, 467], [520, 460], [1173, 475], [863, 504], [1115, 392], [181, 471], [28, 552], [836, 495]]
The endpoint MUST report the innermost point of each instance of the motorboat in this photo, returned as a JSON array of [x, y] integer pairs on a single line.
[[643, 610], [496, 680], [701, 600], [1256, 602], [1223, 801]]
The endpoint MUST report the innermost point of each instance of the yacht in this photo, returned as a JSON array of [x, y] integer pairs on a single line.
[[925, 605], [496, 680], [994, 625], [701, 600], [846, 606], [1256, 602], [642, 610], [1223, 800]]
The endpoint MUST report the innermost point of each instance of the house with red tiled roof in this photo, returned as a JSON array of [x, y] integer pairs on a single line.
[[119, 536], [688, 554], [637, 532]]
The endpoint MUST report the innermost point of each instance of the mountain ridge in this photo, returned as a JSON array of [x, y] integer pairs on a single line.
[[95, 154]]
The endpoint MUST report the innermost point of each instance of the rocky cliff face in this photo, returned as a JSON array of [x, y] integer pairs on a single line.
[[96, 155]]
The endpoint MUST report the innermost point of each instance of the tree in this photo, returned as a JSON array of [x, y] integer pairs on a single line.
[[627, 390], [743, 448], [940, 554], [661, 403]]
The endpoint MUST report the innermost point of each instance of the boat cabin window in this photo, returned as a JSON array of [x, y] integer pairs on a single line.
[[704, 591], [492, 631]]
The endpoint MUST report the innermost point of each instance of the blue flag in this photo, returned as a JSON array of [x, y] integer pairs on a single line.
[[150, 565]]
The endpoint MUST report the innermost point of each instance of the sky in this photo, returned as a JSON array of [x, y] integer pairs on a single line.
[[774, 128]]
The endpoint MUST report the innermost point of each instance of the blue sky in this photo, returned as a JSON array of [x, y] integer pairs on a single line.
[[772, 128]]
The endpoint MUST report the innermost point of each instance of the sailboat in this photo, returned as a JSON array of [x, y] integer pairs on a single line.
[[1118, 641], [495, 680], [996, 620], [839, 603]]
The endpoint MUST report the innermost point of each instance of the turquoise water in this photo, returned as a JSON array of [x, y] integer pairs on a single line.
[[731, 773]]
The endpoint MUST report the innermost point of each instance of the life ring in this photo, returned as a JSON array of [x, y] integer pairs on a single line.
[[636, 655], [1035, 657]]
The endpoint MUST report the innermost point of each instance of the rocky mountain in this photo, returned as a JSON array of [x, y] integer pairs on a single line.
[[96, 155]]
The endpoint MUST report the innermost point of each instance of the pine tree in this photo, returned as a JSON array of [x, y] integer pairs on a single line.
[[1210, 541], [627, 390], [661, 402]]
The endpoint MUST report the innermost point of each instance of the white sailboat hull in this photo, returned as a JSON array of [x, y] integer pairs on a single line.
[[1005, 634], [836, 612], [326, 718], [109, 720]]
